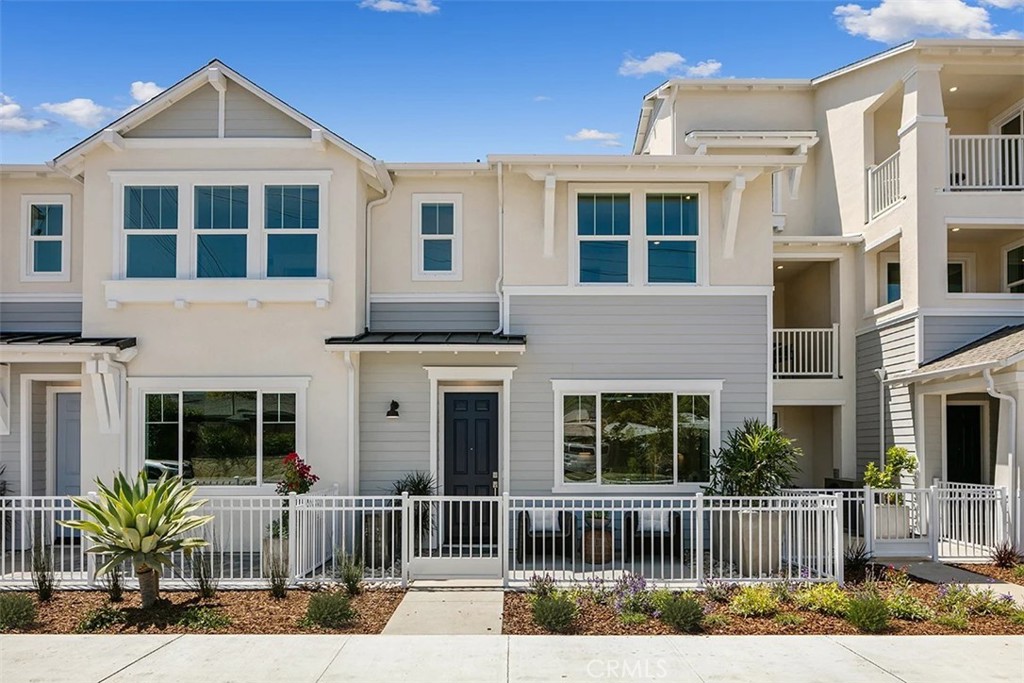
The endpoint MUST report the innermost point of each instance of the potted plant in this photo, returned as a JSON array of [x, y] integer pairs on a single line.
[[296, 477], [756, 461], [597, 544], [892, 516], [417, 484]]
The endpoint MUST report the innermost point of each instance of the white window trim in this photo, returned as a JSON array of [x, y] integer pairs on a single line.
[[418, 238], [140, 386], [321, 232], [778, 214], [251, 258], [564, 387], [1001, 119], [967, 260], [637, 238], [28, 273], [884, 259], [1004, 271]]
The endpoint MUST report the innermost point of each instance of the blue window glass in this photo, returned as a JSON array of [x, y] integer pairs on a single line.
[[150, 208], [152, 255], [671, 261], [602, 214], [604, 261], [1015, 269], [46, 256], [221, 256], [292, 207], [222, 207], [437, 219], [437, 256], [892, 282], [46, 220], [672, 214], [291, 256]]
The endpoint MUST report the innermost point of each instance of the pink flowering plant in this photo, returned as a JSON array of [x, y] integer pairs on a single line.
[[297, 476]]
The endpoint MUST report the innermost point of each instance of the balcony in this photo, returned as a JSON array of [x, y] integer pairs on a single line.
[[811, 352], [884, 186], [985, 162]]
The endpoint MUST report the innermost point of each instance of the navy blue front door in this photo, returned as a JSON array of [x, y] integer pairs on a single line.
[[470, 465]]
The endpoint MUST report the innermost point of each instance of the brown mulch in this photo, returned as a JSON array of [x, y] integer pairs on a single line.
[[250, 611], [993, 572], [597, 619]]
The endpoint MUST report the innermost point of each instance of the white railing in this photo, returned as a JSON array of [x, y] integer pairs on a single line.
[[972, 520], [29, 533], [806, 352], [884, 186], [338, 535], [986, 162]]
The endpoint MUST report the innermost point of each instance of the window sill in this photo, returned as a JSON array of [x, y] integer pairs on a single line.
[[888, 308], [252, 292], [983, 296]]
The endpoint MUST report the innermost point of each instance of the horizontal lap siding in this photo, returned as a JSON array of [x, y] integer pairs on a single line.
[[570, 337], [894, 348], [40, 316], [248, 116], [193, 116], [946, 333], [434, 317]]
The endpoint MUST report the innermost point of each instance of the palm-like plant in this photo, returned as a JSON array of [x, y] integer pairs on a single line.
[[144, 524], [756, 460]]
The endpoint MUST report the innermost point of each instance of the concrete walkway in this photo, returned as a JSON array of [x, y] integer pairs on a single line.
[[434, 608], [508, 659], [936, 572]]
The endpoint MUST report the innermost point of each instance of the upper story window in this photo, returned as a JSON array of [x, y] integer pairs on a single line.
[[1015, 268], [46, 237], [672, 232], [292, 222], [151, 231], [602, 229], [221, 223], [437, 226]]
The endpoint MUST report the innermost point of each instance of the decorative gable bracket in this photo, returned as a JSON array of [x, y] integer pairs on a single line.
[[107, 380], [731, 198]]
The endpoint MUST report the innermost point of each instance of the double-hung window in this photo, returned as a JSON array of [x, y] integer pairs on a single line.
[[1014, 260], [221, 222], [292, 224], [46, 237], [654, 436], [603, 232], [672, 233], [437, 238], [220, 438], [151, 231]]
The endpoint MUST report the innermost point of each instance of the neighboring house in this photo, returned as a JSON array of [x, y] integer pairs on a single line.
[[215, 280]]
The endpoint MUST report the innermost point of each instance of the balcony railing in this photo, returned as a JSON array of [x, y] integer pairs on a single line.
[[884, 185], [806, 352], [986, 162]]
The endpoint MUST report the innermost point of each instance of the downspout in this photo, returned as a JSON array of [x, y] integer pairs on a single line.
[[350, 382], [880, 373], [1012, 460], [501, 250], [388, 193]]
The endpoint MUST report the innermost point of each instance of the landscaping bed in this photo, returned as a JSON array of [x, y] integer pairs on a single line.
[[229, 611], [1003, 574], [890, 602]]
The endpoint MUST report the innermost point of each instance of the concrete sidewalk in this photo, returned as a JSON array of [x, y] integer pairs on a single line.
[[504, 659]]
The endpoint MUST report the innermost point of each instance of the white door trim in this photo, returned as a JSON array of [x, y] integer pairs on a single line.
[[985, 435], [51, 434], [437, 465], [25, 423]]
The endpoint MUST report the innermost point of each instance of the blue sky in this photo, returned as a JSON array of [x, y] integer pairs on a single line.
[[437, 80]]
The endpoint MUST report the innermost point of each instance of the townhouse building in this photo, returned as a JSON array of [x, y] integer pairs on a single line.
[[215, 280]]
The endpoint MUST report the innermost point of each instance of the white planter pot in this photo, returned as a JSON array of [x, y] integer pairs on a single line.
[[750, 540], [274, 549], [892, 521]]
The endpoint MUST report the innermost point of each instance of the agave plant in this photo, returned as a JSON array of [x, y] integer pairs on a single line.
[[133, 521]]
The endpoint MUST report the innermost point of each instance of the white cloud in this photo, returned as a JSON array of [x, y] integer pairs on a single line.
[[413, 6], [144, 91], [81, 111], [541, 98], [657, 63], [12, 120], [594, 135], [1004, 4], [895, 21], [704, 69]]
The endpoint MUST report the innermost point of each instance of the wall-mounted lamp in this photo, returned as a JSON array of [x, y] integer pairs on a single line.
[[392, 413]]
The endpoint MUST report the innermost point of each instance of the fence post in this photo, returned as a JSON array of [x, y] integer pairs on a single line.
[[835, 350], [869, 520], [90, 558], [699, 540], [504, 542], [293, 535], [407, 522], [934, 521], [840, 543]]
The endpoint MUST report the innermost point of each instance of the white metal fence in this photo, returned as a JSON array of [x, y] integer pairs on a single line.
[[884, 185], [684, 539], [986, 162], [806, 352]]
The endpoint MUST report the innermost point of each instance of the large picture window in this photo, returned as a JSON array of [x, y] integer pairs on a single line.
[[221, 222], [219, 438], [292, 223], [151, 231], [648, 437]]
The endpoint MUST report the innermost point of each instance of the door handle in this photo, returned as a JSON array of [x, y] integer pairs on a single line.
[[494, 482]]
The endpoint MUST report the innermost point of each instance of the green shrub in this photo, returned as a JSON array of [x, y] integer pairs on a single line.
[[755, 601], [350, 571], [113, 583], [633, 618], [555, 612], [1005, 556], [717, 590], [541, 586], [783, 591], [868, 612], [44, 579], [661, 597], [683, 613], [903, 605], [1018, 617], [329, 610], [717, 621], [99, 619], [204, 618], [983, 602], [789, 619], [956, 619], [17, 611], [1018, 571], [826, 598], [856, 558], [278, 579]]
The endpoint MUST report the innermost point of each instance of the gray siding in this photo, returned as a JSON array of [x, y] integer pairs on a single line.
[[247, 116], [193, 116], [571, 337], [434, 317], [945, 333], [40, 316], [894, 348]]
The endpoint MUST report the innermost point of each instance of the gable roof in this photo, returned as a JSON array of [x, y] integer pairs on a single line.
[[998, 349], [212, 72]]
